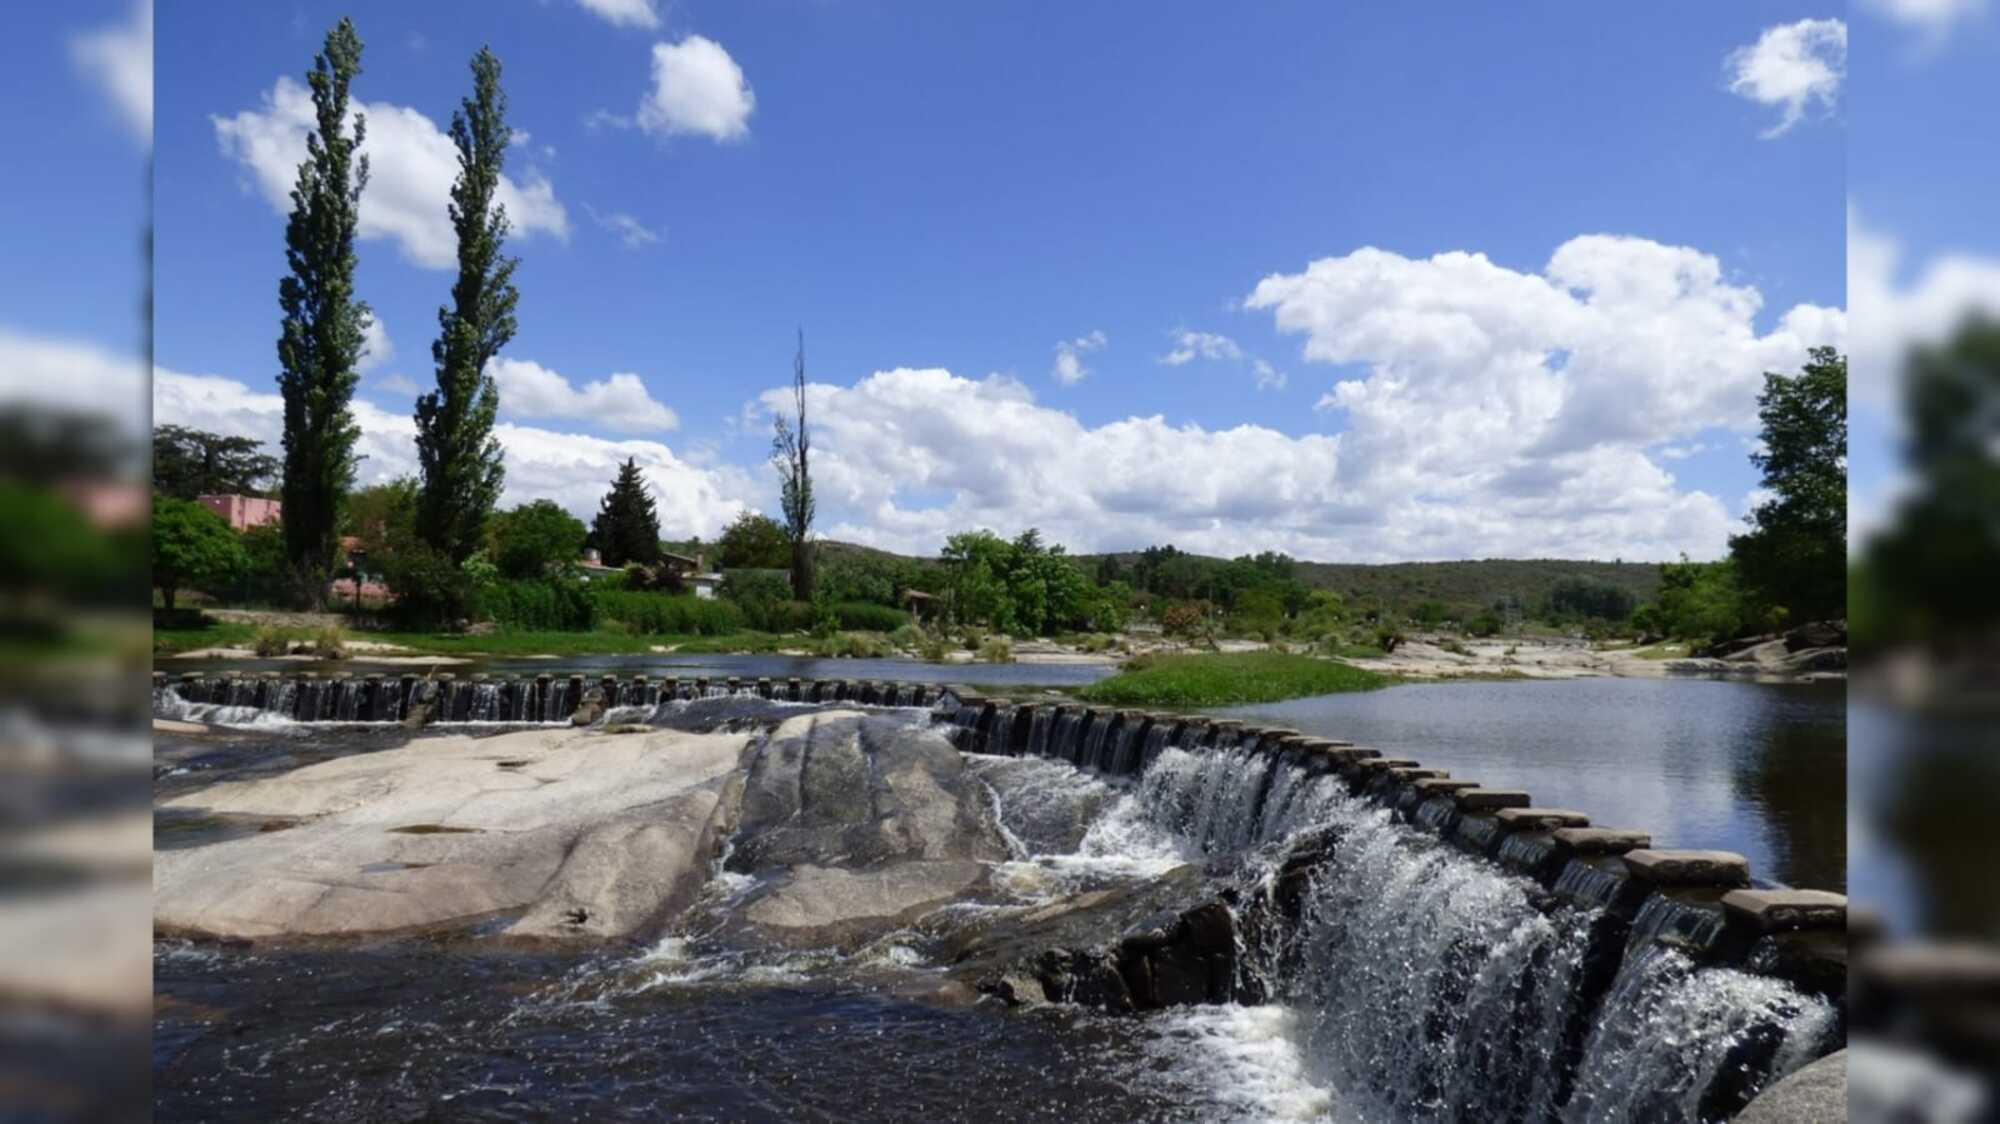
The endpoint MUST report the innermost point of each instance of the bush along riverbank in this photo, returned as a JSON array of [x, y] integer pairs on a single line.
[[1229, 678]]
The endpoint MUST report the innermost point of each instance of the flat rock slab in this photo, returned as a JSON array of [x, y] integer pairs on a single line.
[[1441, 786], [590, 835], [1418, 773], [1688, 868], [1491, 799], [1772, 911], [1601, 840], [1812, 1095], [1383, 764], [1540, 819]]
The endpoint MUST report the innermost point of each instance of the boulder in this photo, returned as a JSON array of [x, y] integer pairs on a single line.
[[1817, 634], [1811, 1095], [843, 789], [819, 906], [584, 835]]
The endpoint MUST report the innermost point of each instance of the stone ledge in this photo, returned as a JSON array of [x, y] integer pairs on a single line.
[[1601, 840], [1540, 819], [1944, 969], [1688, 868], [1491, 799], [1773, 911], [1442, 786]]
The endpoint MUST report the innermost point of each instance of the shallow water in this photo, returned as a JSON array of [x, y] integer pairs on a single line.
[[688, 666], [1755, 768]]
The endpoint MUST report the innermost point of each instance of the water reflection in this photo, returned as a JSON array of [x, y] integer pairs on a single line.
[[1755, 768], [1923, 824]]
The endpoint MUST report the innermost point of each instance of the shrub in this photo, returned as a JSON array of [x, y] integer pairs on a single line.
[[995, 649], [330, 642], [551, 606], [863, 616], [763, 597], [1387, 637], [661, 614], [854, 645], [270, 640]]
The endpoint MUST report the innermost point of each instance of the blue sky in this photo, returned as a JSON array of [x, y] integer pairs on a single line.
[[1493, 284]]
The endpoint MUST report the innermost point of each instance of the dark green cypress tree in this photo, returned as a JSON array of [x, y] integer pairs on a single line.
[[456, 450], [321, 341], [626, 529]]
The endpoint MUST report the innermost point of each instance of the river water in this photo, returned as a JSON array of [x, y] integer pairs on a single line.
[[687, 1027]]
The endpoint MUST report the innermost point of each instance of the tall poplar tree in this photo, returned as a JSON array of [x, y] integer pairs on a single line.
[[456, 450], [791, 451], [321, 341]]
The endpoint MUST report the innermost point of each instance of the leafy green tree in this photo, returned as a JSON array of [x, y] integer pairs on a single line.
[[192, 546], [862, 578], [535, 540], [791, 451], [627, 529], [1930, 575], [456, 449], [1578, 598], [1794, 558], [754, 542], [321, 343], [1699, 601], [190, 462]]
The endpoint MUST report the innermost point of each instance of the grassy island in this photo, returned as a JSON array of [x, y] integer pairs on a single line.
[[1226, 679]]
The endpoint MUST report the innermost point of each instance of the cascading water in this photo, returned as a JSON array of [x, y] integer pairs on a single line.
[[1430, 984]]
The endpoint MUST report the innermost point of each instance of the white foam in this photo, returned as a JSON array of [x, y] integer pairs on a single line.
[[1244, 1061]]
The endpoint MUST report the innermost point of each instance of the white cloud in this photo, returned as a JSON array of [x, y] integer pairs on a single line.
[[53, 373], [377, 349], [397, 383], [1485, 386], [1069, 369], [573, 469], [630, 231], [620, 402], [1930, 16], [119, 59], [1791, 66], [624, 13], [1192, 345], [896, 440], [411, 167], [697, 89], [1892, 317]]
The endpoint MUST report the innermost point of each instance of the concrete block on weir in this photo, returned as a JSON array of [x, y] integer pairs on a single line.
[[1540, 819], [1418, 773], [1442, 786], [1491, 799], [1601, 840], [1688, 868], [1776, 911]]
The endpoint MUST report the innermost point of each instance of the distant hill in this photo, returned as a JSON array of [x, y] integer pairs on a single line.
[[1474, 582]]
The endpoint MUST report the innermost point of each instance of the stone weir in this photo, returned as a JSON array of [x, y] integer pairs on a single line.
[[1653, 983], [547, 697]]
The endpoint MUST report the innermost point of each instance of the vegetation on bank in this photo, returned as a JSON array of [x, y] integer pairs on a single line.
[[1224, 679]]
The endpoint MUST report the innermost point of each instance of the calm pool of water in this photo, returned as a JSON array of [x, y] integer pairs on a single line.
[[1746, 767]]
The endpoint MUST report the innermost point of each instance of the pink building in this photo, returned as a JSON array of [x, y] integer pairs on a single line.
[[244, 512]]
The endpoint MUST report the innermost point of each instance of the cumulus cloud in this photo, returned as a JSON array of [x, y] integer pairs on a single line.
[[697, 89], [623, 13], [376, 346], [1791, 66], [573, 469], [1891, 317], [1069, 369], [891, 444], [119, 59], [1933, 17], [411, 167], [629, 230], [56, 373], [620, 402]]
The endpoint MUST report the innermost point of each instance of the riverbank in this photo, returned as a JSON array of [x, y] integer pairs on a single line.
[[1446, 657]]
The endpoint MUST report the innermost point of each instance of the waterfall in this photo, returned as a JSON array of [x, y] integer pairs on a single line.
[[1089, 751], [1038, 732], [1587, 883], [485, 705], [1678, 1041]]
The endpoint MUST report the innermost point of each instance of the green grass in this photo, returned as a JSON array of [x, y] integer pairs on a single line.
[[1228, 679], [1665, 652]]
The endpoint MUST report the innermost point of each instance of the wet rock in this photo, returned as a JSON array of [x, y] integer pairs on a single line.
[[590, 710], [844, 789], [1770, 911], [1050, 807], [1688, 868], [1811, 1095], [816, 906], [1818, 634], [618, 827]]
